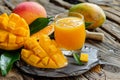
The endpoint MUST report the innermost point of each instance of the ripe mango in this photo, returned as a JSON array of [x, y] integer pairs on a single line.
[[42, 52], [13, 31], [91, 12], [30, 11]]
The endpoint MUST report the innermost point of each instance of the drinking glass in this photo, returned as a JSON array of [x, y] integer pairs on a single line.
[[69, 30]]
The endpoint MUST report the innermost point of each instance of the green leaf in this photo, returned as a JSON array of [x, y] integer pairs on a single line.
[[87, 24], [6, 61], [52, 36], [38, 24], [77, 59]]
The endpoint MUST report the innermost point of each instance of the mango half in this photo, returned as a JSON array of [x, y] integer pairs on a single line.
[[13, 31], [43, 53]]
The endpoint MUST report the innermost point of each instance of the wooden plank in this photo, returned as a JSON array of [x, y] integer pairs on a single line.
[[112, 76], [4, 9], [52, 10], [114, 4], [95, 76], [112, 28], [111, 10], [61, 3], [111, 31], [104, 47], [12, 3], [108, 37], [12, 75], [113, 17]]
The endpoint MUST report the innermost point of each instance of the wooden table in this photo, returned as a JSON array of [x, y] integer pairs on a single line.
[[109, 48]]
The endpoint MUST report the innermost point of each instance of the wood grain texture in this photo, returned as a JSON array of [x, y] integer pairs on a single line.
[[12, 75], [110, 47]]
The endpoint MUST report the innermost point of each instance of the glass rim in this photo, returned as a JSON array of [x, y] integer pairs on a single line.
[[67, 13]]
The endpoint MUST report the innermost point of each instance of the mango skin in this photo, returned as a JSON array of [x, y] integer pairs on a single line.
[[30, 11], [91, 12]]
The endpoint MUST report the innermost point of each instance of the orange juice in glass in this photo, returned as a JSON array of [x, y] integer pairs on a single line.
[[70, 30]]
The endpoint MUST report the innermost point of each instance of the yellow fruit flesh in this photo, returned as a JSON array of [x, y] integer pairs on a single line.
[[84, 57], [4, 21], [42, 53], [12, 35], [47, 30]]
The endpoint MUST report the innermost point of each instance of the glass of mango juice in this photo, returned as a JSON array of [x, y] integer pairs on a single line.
[[70, 31]]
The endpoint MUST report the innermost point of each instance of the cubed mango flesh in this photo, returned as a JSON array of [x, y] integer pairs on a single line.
[[84, 57], [13, 35], [44, 53]]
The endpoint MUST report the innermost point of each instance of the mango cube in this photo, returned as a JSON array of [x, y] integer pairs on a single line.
[[84, 57]]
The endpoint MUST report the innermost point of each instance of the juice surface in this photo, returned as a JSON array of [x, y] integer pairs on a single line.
[[70, 33]]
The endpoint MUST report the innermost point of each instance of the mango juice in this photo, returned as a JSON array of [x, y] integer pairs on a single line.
[[70, 33]]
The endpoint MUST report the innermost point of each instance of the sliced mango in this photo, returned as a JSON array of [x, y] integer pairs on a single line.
[[3, 21], [47, 30], [13, 31], [43, 53], [3, 35]]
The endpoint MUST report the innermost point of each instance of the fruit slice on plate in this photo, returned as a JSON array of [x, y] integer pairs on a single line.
[[47, 30], [13, 31], [43, 53]]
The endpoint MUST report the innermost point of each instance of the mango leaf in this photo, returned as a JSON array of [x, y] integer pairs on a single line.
[[38, 24], [6, 61], [87, 24], [77, 59], [52, 36]]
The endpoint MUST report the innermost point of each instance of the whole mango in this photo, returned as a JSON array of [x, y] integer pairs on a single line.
[[13, 31], [30, 11], [91, 12]]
